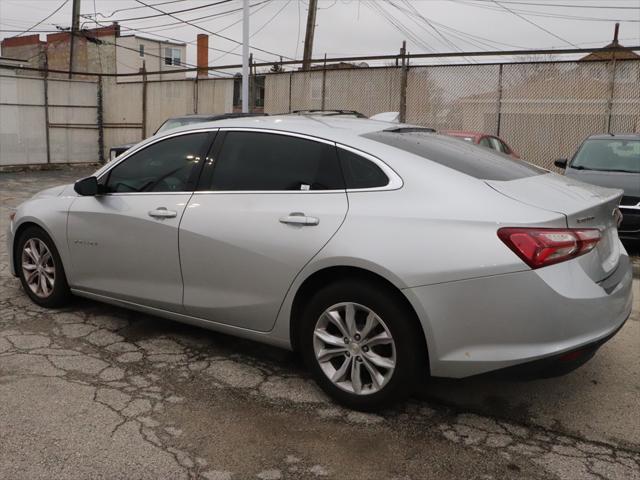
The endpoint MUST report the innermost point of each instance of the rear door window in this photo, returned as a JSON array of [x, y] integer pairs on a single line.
[[360, 172], [460, 156], [257, 161]]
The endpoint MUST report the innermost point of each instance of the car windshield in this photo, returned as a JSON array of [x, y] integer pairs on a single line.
[[178, 122], [609, 155]]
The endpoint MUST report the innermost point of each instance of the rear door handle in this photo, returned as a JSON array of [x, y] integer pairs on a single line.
[[162, 212], [299, 218]]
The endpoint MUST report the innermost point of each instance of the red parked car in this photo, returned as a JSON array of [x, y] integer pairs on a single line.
[[479, 138]]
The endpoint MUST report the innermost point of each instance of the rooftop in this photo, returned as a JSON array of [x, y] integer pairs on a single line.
[[148, 39]]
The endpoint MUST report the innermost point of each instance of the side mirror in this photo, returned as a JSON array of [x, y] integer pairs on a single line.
[[560, 163], [86, 187]]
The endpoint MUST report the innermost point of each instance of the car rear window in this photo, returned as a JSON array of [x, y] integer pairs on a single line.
[[464, 157]]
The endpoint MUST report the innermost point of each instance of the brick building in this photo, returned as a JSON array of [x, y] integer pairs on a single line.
[[102, 50]]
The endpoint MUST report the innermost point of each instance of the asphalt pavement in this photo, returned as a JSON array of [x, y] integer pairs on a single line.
[[95, 391]]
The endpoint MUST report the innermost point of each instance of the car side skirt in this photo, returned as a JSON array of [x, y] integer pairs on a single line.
[[262, 337]]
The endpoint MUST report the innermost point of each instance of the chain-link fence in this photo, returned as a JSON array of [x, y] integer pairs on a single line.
[[543, 110]]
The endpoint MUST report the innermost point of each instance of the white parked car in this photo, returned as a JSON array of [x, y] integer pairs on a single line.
[[377, 250]]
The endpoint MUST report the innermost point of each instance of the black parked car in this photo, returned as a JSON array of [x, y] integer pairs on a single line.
[[611, 161], [175, 122]]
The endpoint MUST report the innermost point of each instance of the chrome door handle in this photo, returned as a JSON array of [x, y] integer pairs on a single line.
[[299, 218], [162, 212]]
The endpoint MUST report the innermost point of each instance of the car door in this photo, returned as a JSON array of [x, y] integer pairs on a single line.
[[123, 243], [267, 203]]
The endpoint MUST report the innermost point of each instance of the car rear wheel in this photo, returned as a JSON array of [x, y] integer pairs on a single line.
[[40, 269], [361, 344]]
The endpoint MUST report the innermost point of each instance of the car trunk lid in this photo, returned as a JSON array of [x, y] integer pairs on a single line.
[[583, 205]]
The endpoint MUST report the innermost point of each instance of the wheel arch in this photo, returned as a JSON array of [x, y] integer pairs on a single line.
[[326, 276], [25, 224]]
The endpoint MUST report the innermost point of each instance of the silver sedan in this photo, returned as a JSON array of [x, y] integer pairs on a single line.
[[381, 252]]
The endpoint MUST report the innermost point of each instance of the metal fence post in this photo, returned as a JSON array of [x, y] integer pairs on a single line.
[[499, 100], [403, 83], [290, 83], [195, 95], [144, 101], [612, 87], [45, 85], [100, 119], [324, 83]]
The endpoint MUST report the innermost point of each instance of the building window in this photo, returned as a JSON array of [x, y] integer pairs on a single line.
[[172, 56], [141, 49]]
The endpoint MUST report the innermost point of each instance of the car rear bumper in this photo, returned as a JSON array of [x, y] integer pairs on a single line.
[[485, 324]]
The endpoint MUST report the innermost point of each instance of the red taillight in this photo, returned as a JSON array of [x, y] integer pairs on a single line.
[[539, 247]]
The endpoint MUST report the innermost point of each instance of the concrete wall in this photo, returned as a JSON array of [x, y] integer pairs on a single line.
[[71, 127], [22, 120], [73, 111], [73, 130]]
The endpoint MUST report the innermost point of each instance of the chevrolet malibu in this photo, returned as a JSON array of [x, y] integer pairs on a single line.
[[378, 251]]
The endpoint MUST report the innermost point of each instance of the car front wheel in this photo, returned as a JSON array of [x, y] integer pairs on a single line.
[[40, 269], [361, 344]]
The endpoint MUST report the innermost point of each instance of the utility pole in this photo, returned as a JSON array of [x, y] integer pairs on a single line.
[[75, 25], [245, 56], [308, 38]]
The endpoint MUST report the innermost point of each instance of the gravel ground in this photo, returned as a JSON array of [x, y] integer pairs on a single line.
[[94, 391]]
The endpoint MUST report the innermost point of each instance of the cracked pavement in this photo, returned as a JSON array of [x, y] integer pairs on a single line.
[[95, 391]]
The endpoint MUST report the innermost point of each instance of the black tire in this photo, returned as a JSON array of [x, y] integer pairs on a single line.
[[60, 293], [410, 351]]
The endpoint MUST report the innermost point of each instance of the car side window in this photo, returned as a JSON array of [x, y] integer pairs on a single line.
[[504, 148], [264, 161], [485, 142], [360, 172], [165, 166]]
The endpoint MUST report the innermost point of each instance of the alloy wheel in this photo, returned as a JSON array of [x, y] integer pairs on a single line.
[[354, 348], [38, 267]]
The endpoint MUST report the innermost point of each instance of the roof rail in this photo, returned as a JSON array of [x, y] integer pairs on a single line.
[[330, 112]]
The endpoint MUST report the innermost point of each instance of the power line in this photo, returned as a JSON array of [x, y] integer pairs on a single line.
[[471, 38], [538, 13], [164, 37], [412, 36], [534, 24], [428, 22], [148, 28], [566, 5], [263, 5], [209, 31], [163, 13], [254, 33], [134, 8], [45, 18], [86, 35]]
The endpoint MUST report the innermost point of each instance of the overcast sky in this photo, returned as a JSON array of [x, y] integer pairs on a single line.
[[352, 27]]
